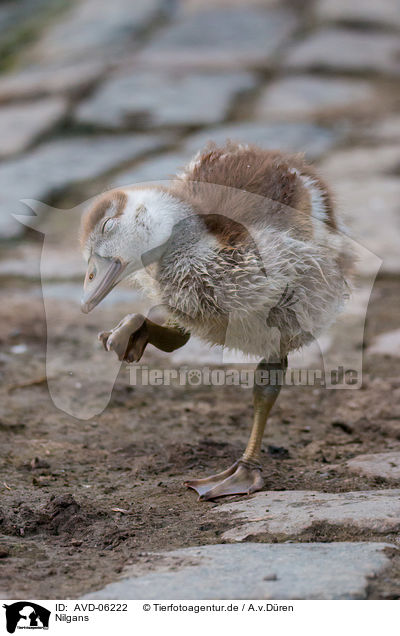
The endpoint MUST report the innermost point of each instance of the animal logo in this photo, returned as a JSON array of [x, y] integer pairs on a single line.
[[194, 377], [26, 615]]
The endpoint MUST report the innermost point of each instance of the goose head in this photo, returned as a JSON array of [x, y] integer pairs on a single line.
[[122, 232]]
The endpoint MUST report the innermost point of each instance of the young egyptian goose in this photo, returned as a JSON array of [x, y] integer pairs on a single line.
[[241, 249]]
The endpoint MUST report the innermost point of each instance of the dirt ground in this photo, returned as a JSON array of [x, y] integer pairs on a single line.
[[63, 479]]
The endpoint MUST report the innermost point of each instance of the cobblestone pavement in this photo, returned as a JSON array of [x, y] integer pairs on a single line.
[[97, 94]]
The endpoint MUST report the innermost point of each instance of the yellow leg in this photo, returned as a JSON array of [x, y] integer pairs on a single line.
[[244, 477], [264, 398]]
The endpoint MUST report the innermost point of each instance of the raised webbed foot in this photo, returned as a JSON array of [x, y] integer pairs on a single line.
[[240, 479], [128, 339]]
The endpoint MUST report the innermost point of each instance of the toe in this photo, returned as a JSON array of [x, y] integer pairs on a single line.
[[114, 343], [240, 481], [257, 484], [103, 337]]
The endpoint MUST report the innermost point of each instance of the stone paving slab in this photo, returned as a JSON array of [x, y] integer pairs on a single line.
[[50, 79], [159, 168], [96, 29], [21, 124], [371, 208], [307, 96], [386, 344], [386, 465], [160, 99], [234, 37], [385, 130], [294, 137], [365, 162], [57, 164], [289, 513], [347, 50], [190, 6], [255, 571], [384, 12]]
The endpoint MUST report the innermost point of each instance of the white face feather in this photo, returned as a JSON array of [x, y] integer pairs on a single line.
[[145, 224]]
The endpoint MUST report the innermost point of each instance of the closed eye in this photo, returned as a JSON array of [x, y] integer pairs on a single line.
[[108, 225]]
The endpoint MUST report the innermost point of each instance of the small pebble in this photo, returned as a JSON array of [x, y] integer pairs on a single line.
[[18, 349]]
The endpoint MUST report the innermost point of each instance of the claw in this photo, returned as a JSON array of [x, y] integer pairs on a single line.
[[239, 479]]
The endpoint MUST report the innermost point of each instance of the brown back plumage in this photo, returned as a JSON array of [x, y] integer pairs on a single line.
[[282, 198]]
